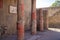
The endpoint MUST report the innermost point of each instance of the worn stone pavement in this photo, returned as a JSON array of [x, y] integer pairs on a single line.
[[46, 35]]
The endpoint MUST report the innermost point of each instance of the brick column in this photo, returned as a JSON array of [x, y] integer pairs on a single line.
[[20, 20], [33, 16], [46, 19], [41, 20]]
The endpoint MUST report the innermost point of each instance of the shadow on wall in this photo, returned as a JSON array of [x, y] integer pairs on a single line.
[[54, 25]]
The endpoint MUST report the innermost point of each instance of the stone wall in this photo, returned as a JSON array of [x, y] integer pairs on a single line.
[[53, 16], [27, 11], [54, 19], [10, 19]]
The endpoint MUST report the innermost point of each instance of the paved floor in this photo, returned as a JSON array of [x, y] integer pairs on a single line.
[[10, 37], [46, 35], [51, 34]]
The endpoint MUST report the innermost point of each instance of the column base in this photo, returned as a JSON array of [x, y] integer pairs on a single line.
[[20, 31]]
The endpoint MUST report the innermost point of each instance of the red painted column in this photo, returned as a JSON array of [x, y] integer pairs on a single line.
[[33, 16], [41, 20], [20, 20]]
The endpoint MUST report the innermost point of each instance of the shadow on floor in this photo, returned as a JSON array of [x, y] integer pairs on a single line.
[[9, 37], [46, 35]]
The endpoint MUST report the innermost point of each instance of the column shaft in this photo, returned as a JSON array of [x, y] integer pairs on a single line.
[[41, 20], [46, 19], [20, 20], [33, 16]]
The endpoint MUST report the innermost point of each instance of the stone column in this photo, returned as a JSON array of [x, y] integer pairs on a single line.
[[34, 17], [41, 20], [20, 19], [46, 19]]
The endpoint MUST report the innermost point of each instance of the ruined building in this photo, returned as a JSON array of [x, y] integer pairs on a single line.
[[19, 16]]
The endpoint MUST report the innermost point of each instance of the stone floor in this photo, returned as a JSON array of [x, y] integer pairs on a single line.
[[46, 35], [51, 34], [10, 37]]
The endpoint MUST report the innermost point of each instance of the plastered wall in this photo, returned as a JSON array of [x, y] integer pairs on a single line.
[[10, 19]]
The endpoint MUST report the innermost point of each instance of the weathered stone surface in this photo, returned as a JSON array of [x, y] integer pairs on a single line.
[[10, 20]]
